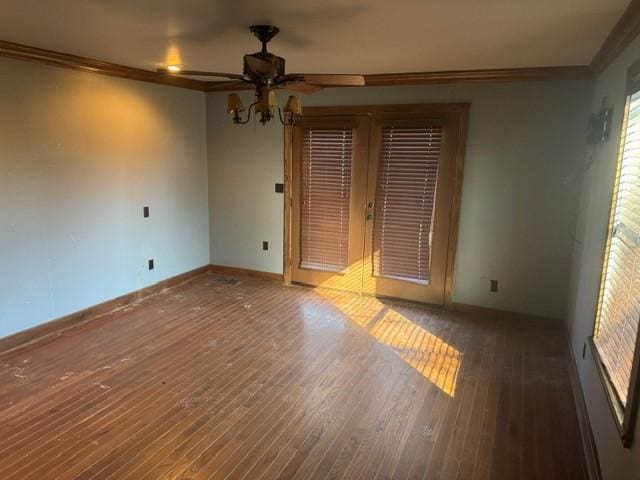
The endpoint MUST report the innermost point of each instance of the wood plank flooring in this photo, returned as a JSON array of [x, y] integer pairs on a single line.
[[254, 380]]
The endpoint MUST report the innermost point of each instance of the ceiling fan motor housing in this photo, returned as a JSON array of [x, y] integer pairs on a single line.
[[270, 72]]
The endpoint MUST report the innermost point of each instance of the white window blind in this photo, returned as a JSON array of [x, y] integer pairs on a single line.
[[619, 307], [405, 201], [326, 192]]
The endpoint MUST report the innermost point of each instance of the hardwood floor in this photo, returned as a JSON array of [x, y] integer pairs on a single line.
[[255, 380]]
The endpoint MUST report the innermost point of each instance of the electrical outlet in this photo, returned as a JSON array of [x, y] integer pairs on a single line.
[[494, 286], [279, 187], [265, 245], [151, 266], [145, 212]]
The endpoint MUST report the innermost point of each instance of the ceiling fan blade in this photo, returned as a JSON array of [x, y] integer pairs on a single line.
[[199, 73], [301, 87], [333, 80], [226, 86]]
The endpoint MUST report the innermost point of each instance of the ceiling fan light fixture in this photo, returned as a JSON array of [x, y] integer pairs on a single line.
[[234, 104], [293, 106], [266, 72], [269, 100], [265, 105]]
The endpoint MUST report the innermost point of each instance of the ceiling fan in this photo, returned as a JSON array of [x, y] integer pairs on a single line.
[[266, 72]]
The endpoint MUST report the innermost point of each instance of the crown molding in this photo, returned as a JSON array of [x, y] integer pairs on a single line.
[[623, 33], [59, 59], [65, 60]]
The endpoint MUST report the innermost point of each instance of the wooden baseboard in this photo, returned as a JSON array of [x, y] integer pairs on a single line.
[[586, 434], [495, 313], [39, 333], [243, 272]]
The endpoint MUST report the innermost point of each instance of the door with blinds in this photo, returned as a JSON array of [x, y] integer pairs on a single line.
[[372, 198], [410, 190], [328, 191]]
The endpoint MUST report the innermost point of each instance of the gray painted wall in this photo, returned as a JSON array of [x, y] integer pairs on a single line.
[[80, 155], [519, 196], [597, 174]]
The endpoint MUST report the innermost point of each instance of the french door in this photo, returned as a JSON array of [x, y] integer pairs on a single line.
[[371, 202]]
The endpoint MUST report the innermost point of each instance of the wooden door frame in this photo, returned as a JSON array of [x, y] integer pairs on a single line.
[[462, 111]]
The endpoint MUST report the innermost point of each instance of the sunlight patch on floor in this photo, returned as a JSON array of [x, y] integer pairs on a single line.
[[428, 354]]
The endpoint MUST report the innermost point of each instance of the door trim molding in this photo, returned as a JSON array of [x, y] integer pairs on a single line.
[[461, 148], [461, 109]]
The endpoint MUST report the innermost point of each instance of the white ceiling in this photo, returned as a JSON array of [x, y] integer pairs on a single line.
[[331, 36]]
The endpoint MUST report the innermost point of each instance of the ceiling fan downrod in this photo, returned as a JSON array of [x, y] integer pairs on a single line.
[[264, 33]]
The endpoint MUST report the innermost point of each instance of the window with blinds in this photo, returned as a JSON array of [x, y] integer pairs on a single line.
[[326, 191], [616, 327], [405, 201]]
